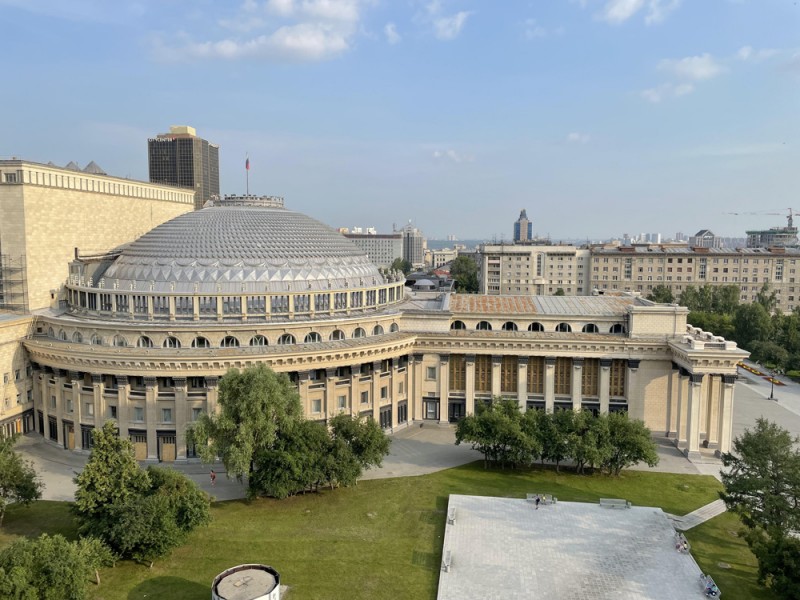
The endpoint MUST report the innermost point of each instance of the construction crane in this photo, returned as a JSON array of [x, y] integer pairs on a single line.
[[789, 217]]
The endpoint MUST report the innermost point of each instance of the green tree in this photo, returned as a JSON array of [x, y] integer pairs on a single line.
[[629, 442], [50, 568], [767, 298], [111, 476], [560, 292], [144, 528], [770, 353], [725, 299], [661, 294], [719, 324], [364, 437], [401, 264], [18, 481], [778, 562], [254, 406], [188, 504], [698, 299], [497, 432], [464, 271], [762, 480], [751, 324], [585, 440]]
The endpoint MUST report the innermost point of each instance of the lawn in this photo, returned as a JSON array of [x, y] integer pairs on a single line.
[[381, 539]]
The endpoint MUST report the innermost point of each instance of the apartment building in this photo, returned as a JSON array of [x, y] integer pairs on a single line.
[[534, 270]]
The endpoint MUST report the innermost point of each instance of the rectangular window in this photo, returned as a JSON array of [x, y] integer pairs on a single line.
[[166, 415], [458, 372], [563, 376], [196, 412], [483, 373], [430, 373], [90, 409], [364, 397], [401, 387], [112, 412], [536, 375], [322, 302], [138, 413], [384, 392], [341, 402], [508, 374], [316, 406], [617, 384], [590, 377]]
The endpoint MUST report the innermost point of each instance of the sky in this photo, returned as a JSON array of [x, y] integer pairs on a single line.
[[600, 117]]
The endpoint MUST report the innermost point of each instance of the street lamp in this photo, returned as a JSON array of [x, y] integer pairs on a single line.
[[772, 384]]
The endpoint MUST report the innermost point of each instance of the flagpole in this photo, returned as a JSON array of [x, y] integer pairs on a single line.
[[247, 171]]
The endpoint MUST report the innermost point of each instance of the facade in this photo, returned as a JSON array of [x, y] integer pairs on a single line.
[[49, 213], [773, 237], [16, 386], [523, 228], [381, 248], [439, 257], [542, 270], [413, 246], [705, 238], [180, 158], [145, 335]]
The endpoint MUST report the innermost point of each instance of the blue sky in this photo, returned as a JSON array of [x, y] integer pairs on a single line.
[[597, 116]]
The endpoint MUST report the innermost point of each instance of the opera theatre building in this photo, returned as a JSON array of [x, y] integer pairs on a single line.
[[140, 330]]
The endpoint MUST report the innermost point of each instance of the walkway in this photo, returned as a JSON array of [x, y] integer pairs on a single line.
[[701, 515]]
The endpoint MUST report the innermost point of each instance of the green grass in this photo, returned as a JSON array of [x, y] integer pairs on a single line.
[[381, 539]]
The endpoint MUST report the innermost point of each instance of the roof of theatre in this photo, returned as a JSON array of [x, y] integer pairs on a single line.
[[545, 305]]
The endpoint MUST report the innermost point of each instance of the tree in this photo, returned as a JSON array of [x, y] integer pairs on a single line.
[[254, 406], [752, 324], [560, 292], [584, 440], [778, 562], [767, 298], [661, 294], [725, 299], [144, 528], [50, 567], [111, 476], [629, 442], [769, 352], [18, 481], [401, 264], [464, 271], [188, 504], [762, 481], [364, 437]]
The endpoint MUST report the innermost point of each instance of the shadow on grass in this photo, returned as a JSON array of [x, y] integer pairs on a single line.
[[170, 587]]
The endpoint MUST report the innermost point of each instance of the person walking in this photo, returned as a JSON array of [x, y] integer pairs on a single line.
[[213, 477], [536, 501]]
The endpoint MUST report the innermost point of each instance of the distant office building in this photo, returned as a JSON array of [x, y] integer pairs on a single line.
[[413, 246], [533, 270], [523, 228], [181, 158], [680, 237], [705, 238], [381, 248]]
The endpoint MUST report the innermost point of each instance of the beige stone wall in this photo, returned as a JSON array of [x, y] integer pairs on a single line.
[[651, 395], [46, 224], [657, 321], [14, 379]]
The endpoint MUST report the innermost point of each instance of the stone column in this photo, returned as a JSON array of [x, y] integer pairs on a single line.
[[577, 383], [444, 388], [680, 418], [605, 384], [98, 388], [726, 414], [635, 400], [355, 389], [392, 384], [522, 382], [671, 399], [417, 394], [182, 417], [711, 414], [151, 418], [693, 415], [40, 398], [212, 393], [76, 410], [123, 408], [376, 391], [61, 409], [497, 362], [469, 383], [331, 407], [549, 383]]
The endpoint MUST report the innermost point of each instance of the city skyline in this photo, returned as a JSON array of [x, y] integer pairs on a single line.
[[597, 116]]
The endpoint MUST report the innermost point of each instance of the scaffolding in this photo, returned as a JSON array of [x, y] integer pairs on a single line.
[[13, 283]]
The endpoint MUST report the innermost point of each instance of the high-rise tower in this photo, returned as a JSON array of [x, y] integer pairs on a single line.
[[523, 228], [183, 159]]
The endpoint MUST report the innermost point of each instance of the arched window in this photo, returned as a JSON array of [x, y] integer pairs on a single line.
[[229, 342], [120, 342], [618, 328], [286, 339], [484, 326], [337, 334], [313, 338], [563, 327], [458, 325], [377, 330], [144, 342], [394, 328], [172, 342], [96, 340], [359, 332], [590, 328], [62, 335], [509, 326], [258, 340], [77, 337], [535, 327], [50, 332], [200, 342]]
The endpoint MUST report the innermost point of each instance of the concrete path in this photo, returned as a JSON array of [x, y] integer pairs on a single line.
[[701, 515]]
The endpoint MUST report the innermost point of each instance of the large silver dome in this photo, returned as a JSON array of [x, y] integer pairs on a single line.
[[241, 246]]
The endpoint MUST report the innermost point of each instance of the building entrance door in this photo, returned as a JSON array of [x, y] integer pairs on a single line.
[[457, 410]]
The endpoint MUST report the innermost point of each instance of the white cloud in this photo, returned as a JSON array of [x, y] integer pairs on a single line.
[[452, 156], [665, 91], [576, 137], [697, 68], [448, 28], [747, 53], [533, 30], [306, 30], [390, 31], [619, 11]]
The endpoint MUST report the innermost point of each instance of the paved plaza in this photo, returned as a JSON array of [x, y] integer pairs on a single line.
[[506, 549]]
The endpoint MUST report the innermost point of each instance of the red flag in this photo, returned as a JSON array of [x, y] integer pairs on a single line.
[[247, 163]]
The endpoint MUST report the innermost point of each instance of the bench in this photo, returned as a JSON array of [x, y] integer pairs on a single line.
[[446, 559], [681, 543], [614, 503], [543, 498], [710, 588], [451, 515]]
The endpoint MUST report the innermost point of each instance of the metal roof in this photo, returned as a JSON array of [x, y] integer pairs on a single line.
[[545, 305]]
